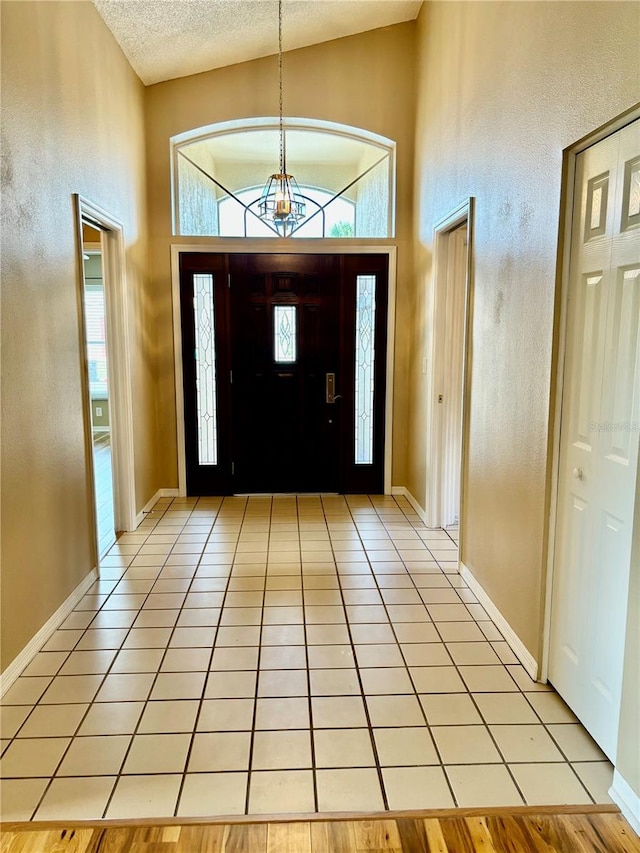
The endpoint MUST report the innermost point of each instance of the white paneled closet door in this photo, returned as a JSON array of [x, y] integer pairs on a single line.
[[600, 430]]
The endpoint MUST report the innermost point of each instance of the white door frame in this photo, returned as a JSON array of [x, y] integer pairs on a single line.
[[250, 246], [558, 358], [118, 362], [463, 213]]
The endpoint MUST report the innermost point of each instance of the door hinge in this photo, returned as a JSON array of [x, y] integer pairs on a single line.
[[228, 279], [231, 377], [233, 468], [440, 398]]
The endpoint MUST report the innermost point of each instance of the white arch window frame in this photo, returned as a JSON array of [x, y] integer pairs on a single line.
[[386, 146]]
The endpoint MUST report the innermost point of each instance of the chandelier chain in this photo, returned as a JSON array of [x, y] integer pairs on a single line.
[[283, 155], [281, 202]]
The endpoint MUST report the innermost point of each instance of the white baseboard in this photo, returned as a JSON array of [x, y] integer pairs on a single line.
[[20, 663], [148, 506], [169, 493], [626, 798], [403, 491], [161, 493], [514, 642]]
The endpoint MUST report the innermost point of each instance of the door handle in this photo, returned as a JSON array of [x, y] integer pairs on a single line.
[[330, 387]]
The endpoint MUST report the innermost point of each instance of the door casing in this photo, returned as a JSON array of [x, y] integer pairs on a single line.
[[119, 365], [444, 228], [247, 246]]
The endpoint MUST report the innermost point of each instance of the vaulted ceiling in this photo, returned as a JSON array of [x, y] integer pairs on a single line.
[[164, 39]]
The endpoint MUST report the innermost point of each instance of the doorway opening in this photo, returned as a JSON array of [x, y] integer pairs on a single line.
[[97, 363], [106, 374], [283, 372], [450, 360]]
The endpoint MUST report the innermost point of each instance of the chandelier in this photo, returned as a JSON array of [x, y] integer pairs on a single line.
[[281, 203]]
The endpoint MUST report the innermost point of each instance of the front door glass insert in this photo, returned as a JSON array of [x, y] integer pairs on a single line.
[[284, 334], [365, 361], [205, 358]]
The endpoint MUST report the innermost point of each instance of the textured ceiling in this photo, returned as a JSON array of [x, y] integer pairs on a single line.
[[164, 39]]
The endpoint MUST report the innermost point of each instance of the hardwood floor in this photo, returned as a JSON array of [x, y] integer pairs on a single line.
[[590, 830]]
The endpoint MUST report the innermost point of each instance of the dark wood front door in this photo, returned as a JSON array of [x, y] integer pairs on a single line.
[[284, 361], [285, 313]]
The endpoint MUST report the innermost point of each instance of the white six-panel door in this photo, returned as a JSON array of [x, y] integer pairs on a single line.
[[600, 429]]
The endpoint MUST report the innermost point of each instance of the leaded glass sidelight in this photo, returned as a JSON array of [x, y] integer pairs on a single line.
[[205, 357], [365, 359], [284, 334]]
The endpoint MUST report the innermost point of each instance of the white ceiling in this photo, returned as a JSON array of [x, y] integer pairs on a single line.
[[164, 39]]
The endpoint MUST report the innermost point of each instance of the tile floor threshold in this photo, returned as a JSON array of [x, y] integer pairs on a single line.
[[284, 655]]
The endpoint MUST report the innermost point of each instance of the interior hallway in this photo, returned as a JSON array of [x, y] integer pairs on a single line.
[[284, 655]]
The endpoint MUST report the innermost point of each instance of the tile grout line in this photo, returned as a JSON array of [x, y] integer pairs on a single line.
[[252, 736], [487, 725], [145, 702], [339, 578], [166, 646], [475, 705], [90, 704], [468, 692], [374, 747], [213, 647], [402, 654], [314, 767]]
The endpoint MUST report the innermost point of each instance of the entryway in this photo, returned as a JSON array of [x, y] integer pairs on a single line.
[[284, 372]]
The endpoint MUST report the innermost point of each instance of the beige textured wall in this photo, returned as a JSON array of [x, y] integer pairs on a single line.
[[72, 121], [365, 81], [628, 756], [502, 89]]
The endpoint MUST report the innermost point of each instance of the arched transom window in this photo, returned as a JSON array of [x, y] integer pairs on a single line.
[[345, 175]]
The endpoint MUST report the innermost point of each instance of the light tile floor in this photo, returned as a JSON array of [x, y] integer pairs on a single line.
[[284, 655], [102, 469]]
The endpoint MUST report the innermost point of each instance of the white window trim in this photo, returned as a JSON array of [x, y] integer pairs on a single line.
[[200, 134]]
